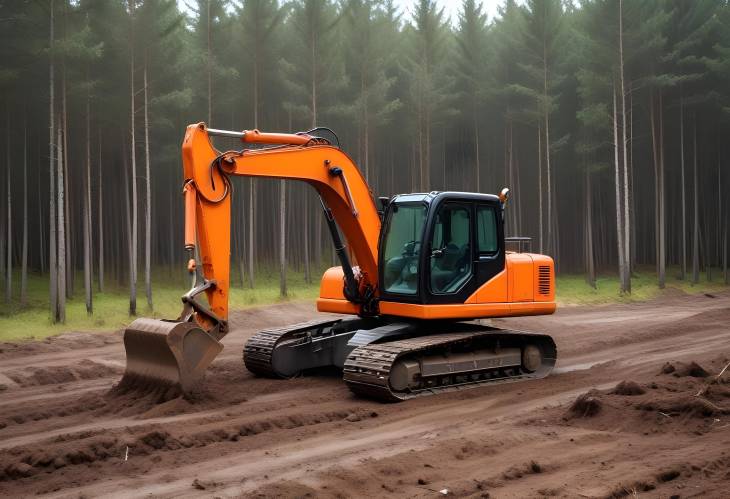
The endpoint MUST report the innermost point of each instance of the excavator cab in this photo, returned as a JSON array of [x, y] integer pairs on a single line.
[[440, 247]]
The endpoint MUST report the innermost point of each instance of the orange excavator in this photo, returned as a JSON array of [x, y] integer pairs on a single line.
[[427, 265]]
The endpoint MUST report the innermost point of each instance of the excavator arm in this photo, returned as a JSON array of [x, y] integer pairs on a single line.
[[178, 352]]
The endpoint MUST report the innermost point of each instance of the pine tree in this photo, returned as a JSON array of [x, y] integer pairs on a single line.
[[24, 251], [599, 36], [9, 224], [430, 80], [52, 261], [259, 20], [211, 19], [543, 37], [472, 75], [312, 74], [159, 27], [133, 161], [368, 54], [512, 104]]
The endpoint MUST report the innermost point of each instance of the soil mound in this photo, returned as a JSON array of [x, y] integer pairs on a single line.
[[681, 370], [41, 375], [587, 405], [628, 388], [282, 490], [683, 404]]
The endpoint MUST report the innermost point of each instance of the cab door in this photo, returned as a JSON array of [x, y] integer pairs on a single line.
[[490, 258], [449, 276]]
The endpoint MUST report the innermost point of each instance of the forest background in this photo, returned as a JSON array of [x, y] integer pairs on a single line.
[[608, 120]]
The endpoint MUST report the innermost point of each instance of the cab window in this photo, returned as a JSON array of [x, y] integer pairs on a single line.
[[450, 250], [402, 248], [487, 229]]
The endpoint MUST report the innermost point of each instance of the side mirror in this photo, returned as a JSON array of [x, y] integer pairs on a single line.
[[504, 195], [384, 203]]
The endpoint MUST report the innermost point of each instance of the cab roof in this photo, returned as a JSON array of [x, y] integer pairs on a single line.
[[429, 197]]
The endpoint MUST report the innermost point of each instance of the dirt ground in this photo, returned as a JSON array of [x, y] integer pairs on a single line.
[[573, 434]]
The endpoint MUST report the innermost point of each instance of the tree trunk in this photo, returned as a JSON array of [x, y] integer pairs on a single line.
[[133, 180], [318, 218], [539, 186], [366, 145], [477, 165], [546, 113], [632, 199], [148, 200], [41, 226], [626, 221], [88, 279], [718, 231], [68, 239], [307, 260], [724, 254], [619, 226], [100, 217], [655, 160], [683, 186], [209, 69], [52, 262], [128, 218], [662, 210], [282, 238], [242, 242], [696, 230], [61, 313], [9, 226], [251, 233], [24, 251], [590, 261]]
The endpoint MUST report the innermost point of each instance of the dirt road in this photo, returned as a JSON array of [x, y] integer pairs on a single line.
[[62, 435]]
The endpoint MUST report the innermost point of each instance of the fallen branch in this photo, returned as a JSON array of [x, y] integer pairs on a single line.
[[713, 380], [716, 407]]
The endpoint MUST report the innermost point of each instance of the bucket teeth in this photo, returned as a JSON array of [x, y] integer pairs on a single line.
[[167, 355]]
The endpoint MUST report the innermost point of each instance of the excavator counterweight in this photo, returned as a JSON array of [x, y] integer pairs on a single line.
[[426, 266]]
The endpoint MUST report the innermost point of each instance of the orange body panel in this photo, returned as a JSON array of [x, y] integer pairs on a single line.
[[331, 294], [519, 277], [331, 285], [513, 292], [337, 306], [465, 310], [545, 263], [492, 291]]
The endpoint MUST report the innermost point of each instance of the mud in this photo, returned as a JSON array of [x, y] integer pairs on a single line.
[[635, 407]]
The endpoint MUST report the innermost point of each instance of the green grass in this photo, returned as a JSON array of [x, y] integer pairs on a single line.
[[574, 290], [111, 308]]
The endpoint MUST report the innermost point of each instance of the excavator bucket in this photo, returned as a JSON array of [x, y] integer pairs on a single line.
[[167, 355]]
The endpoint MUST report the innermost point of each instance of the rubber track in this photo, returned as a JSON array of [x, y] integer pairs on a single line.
[[367, 368], [257, 353]]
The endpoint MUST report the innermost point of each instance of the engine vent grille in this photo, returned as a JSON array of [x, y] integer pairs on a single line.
[[543, 279]]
